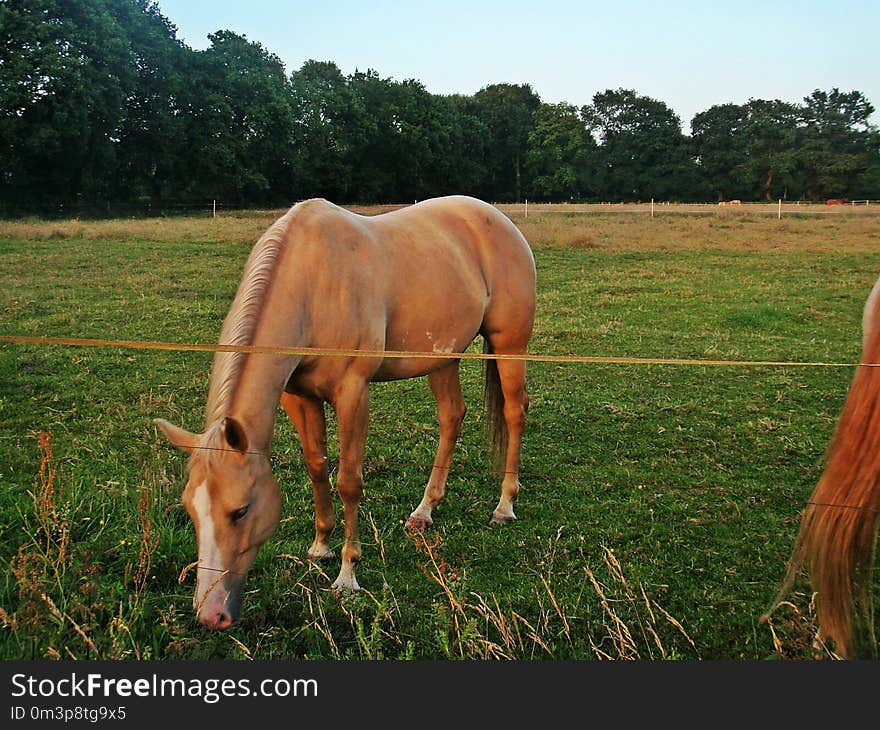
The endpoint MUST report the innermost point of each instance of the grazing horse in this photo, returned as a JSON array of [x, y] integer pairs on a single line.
[[838, 528], [423, 279]]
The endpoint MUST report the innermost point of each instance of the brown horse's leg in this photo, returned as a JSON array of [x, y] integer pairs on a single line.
[[450, 413], [512, 374], [307, 416], [352, 405]]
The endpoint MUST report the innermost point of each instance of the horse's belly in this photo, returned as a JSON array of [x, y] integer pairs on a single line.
[[401, 368]]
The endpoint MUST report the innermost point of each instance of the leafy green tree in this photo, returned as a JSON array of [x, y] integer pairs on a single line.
[[461, 148], [323, 136], [151, 126], [507, 111], [417, 138], [240, 124], [369, 139], [769, 168], [560, 155], [378, 149], [720, 145], [835, 153], [751, 151], [642, 151], [65, 77], [401, 136], [867, 185]]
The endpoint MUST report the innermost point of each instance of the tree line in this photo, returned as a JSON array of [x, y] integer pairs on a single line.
[[103, 108]]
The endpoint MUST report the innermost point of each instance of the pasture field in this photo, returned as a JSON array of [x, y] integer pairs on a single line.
[[659, 502]]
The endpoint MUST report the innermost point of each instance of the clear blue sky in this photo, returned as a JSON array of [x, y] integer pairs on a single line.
[[690, 55]]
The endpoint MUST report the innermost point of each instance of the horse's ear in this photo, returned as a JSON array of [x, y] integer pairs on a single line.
[[178, 436], [235, 435]]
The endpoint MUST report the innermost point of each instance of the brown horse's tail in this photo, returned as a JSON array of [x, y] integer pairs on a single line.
[[493, 398], [838, 529]]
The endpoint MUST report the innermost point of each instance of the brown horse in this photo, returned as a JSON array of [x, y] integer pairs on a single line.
[[838, 528], [424, 279]]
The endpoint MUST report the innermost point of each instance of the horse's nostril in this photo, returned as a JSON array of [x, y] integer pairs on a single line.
[[220, 620]]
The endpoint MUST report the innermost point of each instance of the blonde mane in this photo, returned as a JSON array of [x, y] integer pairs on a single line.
[[240, 323]]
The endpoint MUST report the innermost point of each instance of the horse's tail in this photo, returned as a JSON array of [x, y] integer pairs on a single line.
[[494, 401], [838, 529]]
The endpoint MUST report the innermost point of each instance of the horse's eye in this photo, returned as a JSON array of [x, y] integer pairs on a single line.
[[239, 513]]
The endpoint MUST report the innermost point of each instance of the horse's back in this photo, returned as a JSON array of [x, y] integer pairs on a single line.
[[464, 247], [465, 218], [466, 233], [446, 246]]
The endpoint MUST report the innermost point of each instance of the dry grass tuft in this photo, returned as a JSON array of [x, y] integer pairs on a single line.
[[795, 634], [58, 583], [623, 641]]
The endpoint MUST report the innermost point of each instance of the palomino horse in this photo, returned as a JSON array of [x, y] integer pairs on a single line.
[[424, 279], [838, 528]]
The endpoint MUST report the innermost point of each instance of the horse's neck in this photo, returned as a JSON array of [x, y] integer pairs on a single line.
[[248, 386], [261, 382]]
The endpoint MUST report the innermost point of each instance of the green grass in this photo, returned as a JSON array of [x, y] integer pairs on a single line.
[[659, 503]]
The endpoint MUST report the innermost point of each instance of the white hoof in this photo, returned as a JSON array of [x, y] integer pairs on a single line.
[[319, 553], [502, 518], [346, 581]]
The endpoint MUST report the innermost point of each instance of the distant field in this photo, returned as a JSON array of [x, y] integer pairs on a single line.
[[661, 208], [659, 502]]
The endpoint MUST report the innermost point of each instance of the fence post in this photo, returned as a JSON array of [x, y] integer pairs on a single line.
[[652, 207], [527, 207], [214, 211], [779, 213]]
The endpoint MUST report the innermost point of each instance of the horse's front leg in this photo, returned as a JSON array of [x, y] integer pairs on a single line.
[[307, 416], [352, 405]]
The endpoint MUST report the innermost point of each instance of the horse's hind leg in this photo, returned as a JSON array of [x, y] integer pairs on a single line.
[[512, 374], [507, 399], [450, 413], [307, 416]]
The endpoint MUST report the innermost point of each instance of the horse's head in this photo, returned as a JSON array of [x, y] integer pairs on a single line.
[[235, 505]]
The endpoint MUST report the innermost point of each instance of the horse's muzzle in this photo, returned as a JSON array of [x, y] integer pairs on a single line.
[[221, 607]]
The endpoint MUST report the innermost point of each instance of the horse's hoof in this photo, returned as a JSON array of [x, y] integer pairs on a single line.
[[342, 587], [499, 518], [321, 555], [418, 524]]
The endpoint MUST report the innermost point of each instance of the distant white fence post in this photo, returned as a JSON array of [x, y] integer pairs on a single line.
[[214, 210], [779, 213], [652, 207], [527, 207]]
